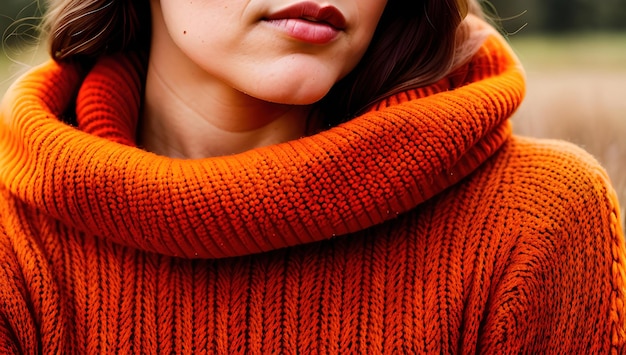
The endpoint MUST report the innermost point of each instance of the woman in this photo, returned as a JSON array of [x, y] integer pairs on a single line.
[[201, 193]]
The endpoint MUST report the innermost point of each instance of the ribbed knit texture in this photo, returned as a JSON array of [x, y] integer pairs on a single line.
[[422, 226]]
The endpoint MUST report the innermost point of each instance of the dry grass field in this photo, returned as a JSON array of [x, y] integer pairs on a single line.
[[576, 92]]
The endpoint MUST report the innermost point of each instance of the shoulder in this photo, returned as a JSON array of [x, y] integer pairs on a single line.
[[560, 215], [545, 198], [558, 178], [553, 154]]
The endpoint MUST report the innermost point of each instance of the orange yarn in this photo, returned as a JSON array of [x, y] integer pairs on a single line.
[[422, 226]]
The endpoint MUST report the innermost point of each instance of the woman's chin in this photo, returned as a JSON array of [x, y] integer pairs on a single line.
[[296, 95]]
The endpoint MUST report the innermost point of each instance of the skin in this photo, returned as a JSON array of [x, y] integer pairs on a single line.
[[221, 80]]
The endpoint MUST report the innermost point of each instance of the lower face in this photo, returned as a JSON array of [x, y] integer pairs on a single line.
[[282, 51]]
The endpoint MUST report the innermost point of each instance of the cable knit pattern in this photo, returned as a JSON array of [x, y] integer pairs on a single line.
[[421, 226]]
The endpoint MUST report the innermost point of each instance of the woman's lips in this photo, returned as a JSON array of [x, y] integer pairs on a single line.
[[309, 22], [306, 31]]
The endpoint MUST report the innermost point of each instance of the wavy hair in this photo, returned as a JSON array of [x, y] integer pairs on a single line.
[[413, 46], [84, 30]]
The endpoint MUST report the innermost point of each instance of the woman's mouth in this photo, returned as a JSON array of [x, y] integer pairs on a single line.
[[309, 22]]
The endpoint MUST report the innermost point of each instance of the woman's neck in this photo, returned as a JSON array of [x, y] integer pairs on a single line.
[[187, 116], [184, 119]]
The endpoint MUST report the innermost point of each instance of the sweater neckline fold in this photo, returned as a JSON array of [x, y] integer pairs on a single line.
[[407, 149]]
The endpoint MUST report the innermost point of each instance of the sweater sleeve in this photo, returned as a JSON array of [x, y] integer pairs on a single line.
[[17, 334], [30, 321], [563, 287]]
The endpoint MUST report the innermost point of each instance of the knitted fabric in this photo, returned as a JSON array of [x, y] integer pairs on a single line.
[[421, 226]]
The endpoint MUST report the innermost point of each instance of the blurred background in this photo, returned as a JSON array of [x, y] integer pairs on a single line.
[[574, 52], [18, 30]]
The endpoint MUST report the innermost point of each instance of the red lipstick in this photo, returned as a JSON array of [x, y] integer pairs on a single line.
[[309, 22]]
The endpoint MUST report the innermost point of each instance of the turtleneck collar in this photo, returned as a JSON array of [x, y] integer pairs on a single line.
[[348, 178]]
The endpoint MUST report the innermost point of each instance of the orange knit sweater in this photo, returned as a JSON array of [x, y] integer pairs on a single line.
[[421, 226]]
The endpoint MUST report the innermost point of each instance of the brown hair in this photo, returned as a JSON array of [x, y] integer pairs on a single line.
[[84, 30], [413, 45]]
